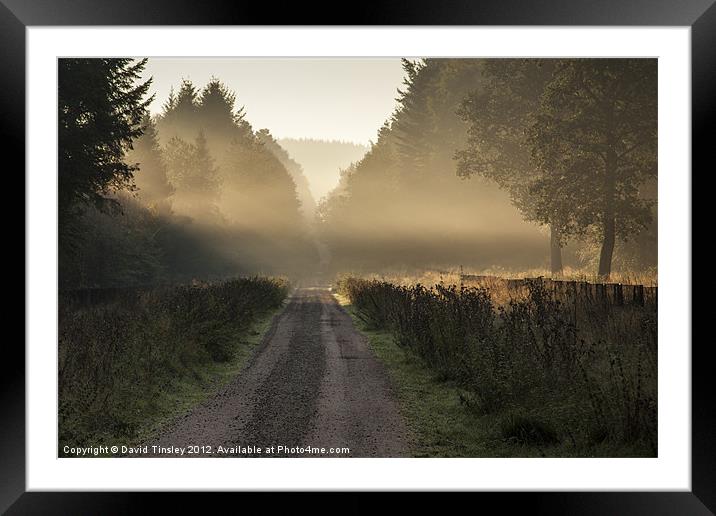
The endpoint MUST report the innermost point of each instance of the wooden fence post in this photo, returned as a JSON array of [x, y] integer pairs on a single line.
[[618, 294], [638, 295], [601, 293]]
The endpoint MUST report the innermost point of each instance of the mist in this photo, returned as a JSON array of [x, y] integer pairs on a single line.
[[481, 234], [323, 160], [473, 168]]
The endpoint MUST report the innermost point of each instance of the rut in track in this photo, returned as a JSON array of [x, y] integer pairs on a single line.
[[313, 381]]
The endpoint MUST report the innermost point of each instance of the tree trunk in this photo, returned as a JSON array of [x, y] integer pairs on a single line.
[[555, 251], [605, 257], [609, 222]]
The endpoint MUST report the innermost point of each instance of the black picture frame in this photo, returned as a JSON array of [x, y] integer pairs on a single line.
[[700, 15]]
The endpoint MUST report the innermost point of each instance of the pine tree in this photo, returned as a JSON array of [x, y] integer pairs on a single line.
[[192, 171], [151, 179], [219, 119], [262, 191], [216, 107], [207, 174], [308, 204], [179, 114], [413, 123], [101, 106]]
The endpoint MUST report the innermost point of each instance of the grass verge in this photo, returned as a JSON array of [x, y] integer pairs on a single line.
[[130, 366], [188, 392]]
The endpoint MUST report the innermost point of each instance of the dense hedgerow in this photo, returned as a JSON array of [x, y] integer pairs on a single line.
[[578, 372], [120, 350]]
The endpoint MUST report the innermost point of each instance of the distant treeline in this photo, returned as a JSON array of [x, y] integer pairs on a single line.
[[192, 192], [322, 159], [560, 151]]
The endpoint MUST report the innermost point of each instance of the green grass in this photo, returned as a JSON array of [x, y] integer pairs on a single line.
[[443, 423], [189, 392]]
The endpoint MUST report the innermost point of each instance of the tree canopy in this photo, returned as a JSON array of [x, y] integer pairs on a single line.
[[571, 142], [100, 110], [404, 200], [198, 192], [595, 139], [565, 145]]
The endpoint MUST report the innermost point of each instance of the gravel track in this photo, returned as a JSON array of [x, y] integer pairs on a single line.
[[312, 381]]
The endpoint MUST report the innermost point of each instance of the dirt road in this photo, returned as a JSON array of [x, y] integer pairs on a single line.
[[312, 382]]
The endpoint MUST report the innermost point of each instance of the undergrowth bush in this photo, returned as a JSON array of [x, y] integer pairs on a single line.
[[120, 349], [580, 372]]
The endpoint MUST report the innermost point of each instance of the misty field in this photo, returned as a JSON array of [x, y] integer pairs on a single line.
[[562, 367]]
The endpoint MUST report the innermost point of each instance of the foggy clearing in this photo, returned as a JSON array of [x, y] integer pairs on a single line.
[[414, 257]]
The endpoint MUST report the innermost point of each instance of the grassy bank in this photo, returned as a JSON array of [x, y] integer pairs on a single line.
[[477, 380], [439, 425], [132, 360]]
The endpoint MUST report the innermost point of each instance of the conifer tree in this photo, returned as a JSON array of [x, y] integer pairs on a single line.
[[101, 106], [150, 177]]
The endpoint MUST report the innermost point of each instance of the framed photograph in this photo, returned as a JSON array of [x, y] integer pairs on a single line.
[[437, 249]]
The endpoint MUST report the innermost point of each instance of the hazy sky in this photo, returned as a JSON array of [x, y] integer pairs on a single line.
[[326, 98]]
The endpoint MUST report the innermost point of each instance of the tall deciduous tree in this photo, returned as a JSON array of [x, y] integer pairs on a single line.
[[595, 140], [498, 112]]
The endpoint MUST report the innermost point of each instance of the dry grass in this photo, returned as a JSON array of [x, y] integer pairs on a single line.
[[506, 285], [453, 276]]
